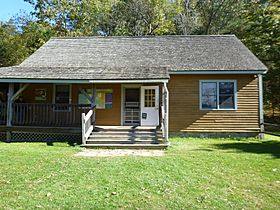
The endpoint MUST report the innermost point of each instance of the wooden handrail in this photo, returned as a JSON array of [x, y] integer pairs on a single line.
[[163, 125], [88, 124]]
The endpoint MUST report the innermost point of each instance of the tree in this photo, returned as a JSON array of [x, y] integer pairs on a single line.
[[11, 49], [259, 29], [208, 16], [63, 15], [139, 18], [20, 37]]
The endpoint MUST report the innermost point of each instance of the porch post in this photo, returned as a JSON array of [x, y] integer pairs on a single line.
[[261, 119], [9, 111], [93, 95], [166, 112], [93, 104], [10, 104]]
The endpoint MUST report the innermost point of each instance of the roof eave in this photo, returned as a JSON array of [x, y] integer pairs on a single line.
[[261, 71], [82, 81]]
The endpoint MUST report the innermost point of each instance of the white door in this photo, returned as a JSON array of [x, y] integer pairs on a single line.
[[150, 105]]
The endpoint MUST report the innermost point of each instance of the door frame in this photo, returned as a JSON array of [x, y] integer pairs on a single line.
[[123, 87]]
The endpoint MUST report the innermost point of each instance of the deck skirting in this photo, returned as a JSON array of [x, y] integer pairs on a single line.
[[215, 134]]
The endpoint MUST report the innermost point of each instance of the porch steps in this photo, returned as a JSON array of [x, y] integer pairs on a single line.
[[126, 137], [126, 146]]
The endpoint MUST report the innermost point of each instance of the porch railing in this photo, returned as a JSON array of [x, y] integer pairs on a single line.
[[88, 124], [37, 114], [3, 113]]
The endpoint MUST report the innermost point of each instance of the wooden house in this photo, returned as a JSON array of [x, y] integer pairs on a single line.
[[133, 90]]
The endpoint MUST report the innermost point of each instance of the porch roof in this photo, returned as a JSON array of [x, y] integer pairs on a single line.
[[84, 73]]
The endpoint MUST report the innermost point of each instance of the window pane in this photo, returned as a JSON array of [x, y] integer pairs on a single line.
[[209, 95], [62, 94], [226, 95], [83, 100]]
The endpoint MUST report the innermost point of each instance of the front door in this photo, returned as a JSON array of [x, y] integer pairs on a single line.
[[150, 105], [132, 106]]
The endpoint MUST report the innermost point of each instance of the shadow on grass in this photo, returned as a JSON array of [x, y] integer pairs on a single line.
[[266, 147]]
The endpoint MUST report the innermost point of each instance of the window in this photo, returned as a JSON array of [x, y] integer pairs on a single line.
[[218, 94], [62, 97], [83, 100], [104, 99]]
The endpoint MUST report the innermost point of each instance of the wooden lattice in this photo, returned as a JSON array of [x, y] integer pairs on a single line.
[[44, 137]]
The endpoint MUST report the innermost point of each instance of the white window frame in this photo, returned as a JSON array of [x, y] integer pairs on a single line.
[[218, 94], [70, 97]]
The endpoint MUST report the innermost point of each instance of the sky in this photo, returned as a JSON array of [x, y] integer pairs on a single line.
[[9, 8]]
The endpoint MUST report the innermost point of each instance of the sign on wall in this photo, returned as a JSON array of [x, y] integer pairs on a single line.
[[104, 98], [40, 94]]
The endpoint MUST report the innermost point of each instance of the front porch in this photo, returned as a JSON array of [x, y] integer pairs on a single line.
[[77, 109]]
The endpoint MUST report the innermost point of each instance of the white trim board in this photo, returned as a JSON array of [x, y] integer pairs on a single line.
[[261, 117], [130, 81]]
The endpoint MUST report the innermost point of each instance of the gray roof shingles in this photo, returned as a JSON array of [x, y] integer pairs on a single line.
[[83, 73], [134, 57]]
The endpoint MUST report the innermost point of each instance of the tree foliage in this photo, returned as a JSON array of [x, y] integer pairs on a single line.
[[259, 29]]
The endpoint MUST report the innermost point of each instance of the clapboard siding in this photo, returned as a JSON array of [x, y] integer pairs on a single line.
[[185, 114], [104, 116]]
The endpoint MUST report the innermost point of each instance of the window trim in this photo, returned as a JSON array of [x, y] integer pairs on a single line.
[[218, 95], [70, 97]]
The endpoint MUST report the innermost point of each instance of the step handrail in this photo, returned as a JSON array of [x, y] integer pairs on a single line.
[[88, 124], [163, 125], [164, 113]]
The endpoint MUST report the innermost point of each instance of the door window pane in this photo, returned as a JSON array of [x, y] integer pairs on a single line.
[[226, 95], [150, 98], [209, 95]]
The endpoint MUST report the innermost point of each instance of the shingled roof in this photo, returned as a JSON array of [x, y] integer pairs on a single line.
[[84, 73], [134, 57]]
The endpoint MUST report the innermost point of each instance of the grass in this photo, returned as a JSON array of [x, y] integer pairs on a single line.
[[194, 174]]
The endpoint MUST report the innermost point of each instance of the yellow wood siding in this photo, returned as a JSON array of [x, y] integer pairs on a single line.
[[104, 116], [185, 114]]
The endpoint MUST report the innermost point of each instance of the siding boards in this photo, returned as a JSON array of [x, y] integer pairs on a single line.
[[185, 114], [104, 116]]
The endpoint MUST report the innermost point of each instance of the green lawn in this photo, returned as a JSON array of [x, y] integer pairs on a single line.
[[194, 174]]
